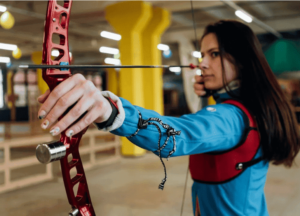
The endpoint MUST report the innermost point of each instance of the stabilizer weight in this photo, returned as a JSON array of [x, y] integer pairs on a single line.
[[74, 212], [51, 151]]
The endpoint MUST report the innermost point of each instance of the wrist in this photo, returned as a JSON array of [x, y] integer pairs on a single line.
[[107, 114], [110, 115]]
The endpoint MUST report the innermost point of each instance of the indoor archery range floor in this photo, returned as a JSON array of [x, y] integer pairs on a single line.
[[129, 188]]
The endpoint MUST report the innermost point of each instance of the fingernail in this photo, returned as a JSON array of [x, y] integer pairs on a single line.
[[70, 133], [55, 131], [42, 114], [203, 93], [45, 124]]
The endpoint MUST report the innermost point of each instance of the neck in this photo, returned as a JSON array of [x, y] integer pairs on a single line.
[[234, 84]]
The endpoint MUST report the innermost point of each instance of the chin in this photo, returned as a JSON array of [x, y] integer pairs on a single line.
[[212, 86]]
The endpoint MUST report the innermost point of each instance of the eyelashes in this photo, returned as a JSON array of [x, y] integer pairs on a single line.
[[215, 54]]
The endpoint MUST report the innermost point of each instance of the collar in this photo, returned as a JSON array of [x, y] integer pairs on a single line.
[[233, 88]]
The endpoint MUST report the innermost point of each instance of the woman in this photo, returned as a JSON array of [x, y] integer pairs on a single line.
[[231, 142]]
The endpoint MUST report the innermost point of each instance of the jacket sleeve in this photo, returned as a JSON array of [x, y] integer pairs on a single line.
[[214, 128]]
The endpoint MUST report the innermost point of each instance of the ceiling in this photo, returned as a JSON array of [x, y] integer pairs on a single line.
[[87, 20]]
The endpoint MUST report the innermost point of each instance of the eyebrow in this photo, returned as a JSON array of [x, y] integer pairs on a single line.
[[208, 51]]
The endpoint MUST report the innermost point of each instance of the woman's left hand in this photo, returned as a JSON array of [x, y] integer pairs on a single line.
[[86, 97]]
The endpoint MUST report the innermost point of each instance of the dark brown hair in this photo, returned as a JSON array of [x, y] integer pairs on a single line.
[[259, 91]]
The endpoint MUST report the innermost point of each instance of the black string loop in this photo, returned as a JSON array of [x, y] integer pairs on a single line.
[[142, 124]]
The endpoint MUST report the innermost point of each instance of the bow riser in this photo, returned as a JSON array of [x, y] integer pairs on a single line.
[[57, 22]]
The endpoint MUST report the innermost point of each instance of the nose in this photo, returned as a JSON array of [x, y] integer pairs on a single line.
[[203, 64]]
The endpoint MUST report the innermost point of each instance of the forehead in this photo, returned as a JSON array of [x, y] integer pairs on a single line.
[[209, 42]]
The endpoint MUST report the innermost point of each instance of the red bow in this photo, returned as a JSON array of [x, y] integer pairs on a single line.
[[57, 23]]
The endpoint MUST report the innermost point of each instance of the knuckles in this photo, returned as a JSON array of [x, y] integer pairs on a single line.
[[76, 111], [51, 117], [88, 85], [198, 79], [78, 77], [77, 128], [96, 94], [63, 101], [56, 93], [198, 86], [87, 120]]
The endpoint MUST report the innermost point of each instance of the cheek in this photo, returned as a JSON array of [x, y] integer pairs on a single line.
[[230, 71], [231, 76], [217, 81]]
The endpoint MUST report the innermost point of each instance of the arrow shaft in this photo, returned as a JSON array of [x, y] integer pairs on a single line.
[[99, 66]]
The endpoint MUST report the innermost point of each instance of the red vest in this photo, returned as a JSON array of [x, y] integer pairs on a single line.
[[221, 167]]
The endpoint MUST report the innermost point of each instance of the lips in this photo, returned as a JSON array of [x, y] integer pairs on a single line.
[[207, 77]]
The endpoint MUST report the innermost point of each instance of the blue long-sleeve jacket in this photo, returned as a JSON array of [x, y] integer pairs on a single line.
[[214, 128]]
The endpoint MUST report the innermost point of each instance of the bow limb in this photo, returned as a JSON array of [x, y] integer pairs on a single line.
[[57, 23]]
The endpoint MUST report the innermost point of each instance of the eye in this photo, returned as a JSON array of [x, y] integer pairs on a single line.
[[215, 54]]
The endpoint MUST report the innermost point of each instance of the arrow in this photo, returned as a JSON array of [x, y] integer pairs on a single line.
[[42, 66]]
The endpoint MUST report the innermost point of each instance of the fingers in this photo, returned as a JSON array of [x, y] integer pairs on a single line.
[[95, 109], [81, 93], [58, 92], [43, 97], [198, 91], [103, 109], [83, 105], [63, 104], [198, 79], [199, 86], [82, 101]]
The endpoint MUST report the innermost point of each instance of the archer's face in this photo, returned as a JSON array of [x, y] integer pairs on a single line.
[[211, 64]]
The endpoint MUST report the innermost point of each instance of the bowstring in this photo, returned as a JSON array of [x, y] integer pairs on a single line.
[[197, 49], [184, 191], [195, 27]]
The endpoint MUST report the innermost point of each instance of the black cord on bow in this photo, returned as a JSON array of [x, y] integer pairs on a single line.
[[142, 124]]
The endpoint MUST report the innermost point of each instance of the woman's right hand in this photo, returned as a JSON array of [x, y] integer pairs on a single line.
[[199, 86]]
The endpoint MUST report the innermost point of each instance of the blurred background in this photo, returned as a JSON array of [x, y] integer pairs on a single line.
[[122, 178]]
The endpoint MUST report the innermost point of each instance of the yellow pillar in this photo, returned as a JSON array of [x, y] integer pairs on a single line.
[[153, 83], [129, 19], [10, 88], [36, 57], [211, 100], [112, 81], [11, 97]]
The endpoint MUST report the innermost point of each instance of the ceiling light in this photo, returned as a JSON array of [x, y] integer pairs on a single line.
[[175, 69], [110, 35], [197, 54], [108, 50], [198, 72], [4, 59], [243, 16], [55, 53], [5, 46], [163, 47], [2, 8], [112, 61]]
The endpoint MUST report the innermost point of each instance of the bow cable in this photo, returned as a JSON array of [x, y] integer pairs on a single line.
[[199, 60]]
